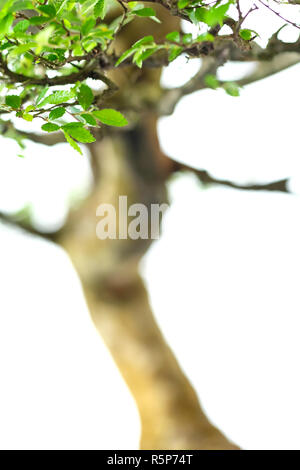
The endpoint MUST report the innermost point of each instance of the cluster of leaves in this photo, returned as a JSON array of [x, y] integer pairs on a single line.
[[205, 15], [231, 88], [53, 108], [37, 37], [45, 43]]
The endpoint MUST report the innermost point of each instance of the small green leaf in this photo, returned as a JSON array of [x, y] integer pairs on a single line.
[[232, 89], [134, 48], [211, 81], [142, 42], [13, 101], [72, 125], [173, 36], [174, 52], [200, 14], [182, 4], [49, 127], [79, 133], [57, 113], [85, 96], [41, 95], [205, 37], [19, 50], [89, 119], [5, 24], [88, 26], [48, 10], [27, 117], [246, 34], [110, 117], [57, 97], [216, 15], [100, 9], [29, 108], [37, 20], [145, 12], [21, 26], [72, 142], [142, 55], [124, 56], [187, 38]]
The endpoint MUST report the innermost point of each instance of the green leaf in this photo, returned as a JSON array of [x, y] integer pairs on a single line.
[[87, 6], [173, 36], [182, 4], [211, 81], [200, 14], [134, 48], [57, 97], [111, 117], [21, 26], [143, 41], [85, 96], [187, 38], [72, 142], [57, 113], [48, 10], [145, 12], [100, 9], [246, 34], [72, 125], [27, 117], [41, 95], [89, 119], [174, 52], [19, 50], [142, 55], [79, 133], [124, 56], [37, 20], [13, 101], [232, 89], [5, 24], [49, 127], [29, 108], [205, 37], [88, 26], [216, 15], [43, 38]]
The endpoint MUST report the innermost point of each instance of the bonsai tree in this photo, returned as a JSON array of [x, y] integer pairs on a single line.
[[88, 74]]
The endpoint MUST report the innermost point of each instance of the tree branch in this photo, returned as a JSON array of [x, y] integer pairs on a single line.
[[171, 97], [206, 178], [50, 139], [23, 224]]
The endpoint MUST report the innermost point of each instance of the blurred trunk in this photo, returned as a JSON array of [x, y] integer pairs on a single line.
[[171, 416], [132, 164]]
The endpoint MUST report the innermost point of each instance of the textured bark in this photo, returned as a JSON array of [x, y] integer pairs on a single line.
[[170, 412]]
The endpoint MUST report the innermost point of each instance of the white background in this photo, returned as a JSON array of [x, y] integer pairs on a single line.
[[223, 280]]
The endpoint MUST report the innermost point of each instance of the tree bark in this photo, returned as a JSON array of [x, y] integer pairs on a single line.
[[132, 164], [171, 416]]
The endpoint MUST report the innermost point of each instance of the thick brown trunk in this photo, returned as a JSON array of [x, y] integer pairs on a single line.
[[170, 412], [132, 164]]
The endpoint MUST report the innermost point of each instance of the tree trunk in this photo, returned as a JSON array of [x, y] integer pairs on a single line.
[[132, 164]]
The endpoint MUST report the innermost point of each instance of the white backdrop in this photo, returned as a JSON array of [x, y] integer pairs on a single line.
[[223, 280]]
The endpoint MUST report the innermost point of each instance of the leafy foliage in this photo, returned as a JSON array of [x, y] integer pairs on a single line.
[[51, 50]]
